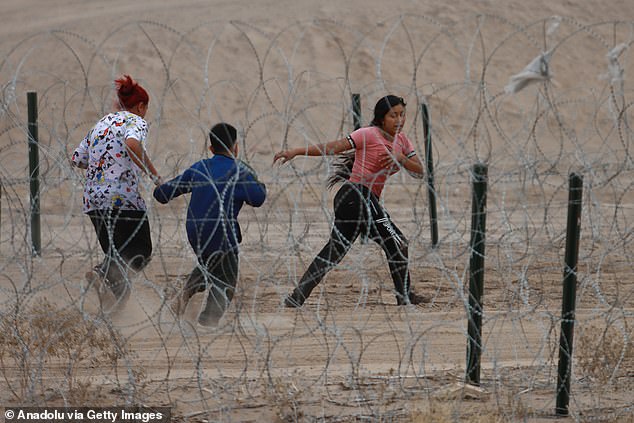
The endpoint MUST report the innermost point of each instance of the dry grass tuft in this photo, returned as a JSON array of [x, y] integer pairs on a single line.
[[48, 354], [605, 353]]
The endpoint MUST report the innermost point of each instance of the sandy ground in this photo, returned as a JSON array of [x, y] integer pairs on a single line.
[[284, 72]]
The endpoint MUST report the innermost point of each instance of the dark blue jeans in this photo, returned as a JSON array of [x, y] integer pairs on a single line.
[[218, 273]]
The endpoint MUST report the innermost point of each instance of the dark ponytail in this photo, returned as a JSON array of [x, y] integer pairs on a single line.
[[342, 169], [344, 163]]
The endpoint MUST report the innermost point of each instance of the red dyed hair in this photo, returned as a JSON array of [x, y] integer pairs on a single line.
[[129, 92]]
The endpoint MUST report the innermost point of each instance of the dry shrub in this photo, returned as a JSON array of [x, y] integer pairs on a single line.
[[446, 409], [456, 410], [43, 349], [605, 353], [287, 395]]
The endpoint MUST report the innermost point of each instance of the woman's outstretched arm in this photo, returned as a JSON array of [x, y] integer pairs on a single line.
[[327, 149]]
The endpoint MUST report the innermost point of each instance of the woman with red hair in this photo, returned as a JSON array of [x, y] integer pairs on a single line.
[[113, 152]]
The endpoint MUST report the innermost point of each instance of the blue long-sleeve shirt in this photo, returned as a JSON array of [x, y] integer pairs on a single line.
[[219, 186]]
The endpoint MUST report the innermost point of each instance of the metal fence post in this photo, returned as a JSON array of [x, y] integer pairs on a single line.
[[356, 110], [429, 161], [34, 173], [573, 231], [476, 272]]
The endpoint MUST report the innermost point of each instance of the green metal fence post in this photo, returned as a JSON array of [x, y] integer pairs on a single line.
[[431, 191], [573, 232], [356, 110], [34, 173], [356, 119], [476, 272]]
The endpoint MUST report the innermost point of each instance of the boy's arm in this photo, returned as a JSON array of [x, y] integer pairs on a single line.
[[250, 189], [181, 184]]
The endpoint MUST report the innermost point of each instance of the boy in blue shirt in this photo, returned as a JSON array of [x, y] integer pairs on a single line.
[[219, 186]]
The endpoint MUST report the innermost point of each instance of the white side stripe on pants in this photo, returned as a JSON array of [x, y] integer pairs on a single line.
[[386, 222]]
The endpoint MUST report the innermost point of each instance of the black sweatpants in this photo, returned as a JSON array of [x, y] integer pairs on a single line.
[[358, 211], [219, 274], [124, 236]]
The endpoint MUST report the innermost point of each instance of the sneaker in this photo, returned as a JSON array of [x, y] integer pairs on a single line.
[[107, 300], [208, 319], [121, 292], [213, 311]]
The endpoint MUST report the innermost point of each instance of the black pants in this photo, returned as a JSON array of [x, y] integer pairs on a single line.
[[358, 211], [219, 273], [124, 236]]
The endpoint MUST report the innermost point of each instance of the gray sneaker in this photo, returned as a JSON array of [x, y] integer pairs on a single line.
[[107, 299], [211, 314], [208, 320]]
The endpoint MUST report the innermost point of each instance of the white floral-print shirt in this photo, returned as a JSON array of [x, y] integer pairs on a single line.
[[112, 178]]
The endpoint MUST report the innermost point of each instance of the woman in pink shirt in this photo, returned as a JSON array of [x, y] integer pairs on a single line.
[[380, 150]]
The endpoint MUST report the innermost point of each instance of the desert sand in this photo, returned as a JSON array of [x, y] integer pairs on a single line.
[[284, 73]]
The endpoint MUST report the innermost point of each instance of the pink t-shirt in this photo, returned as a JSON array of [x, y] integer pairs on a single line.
[[368, 143]]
